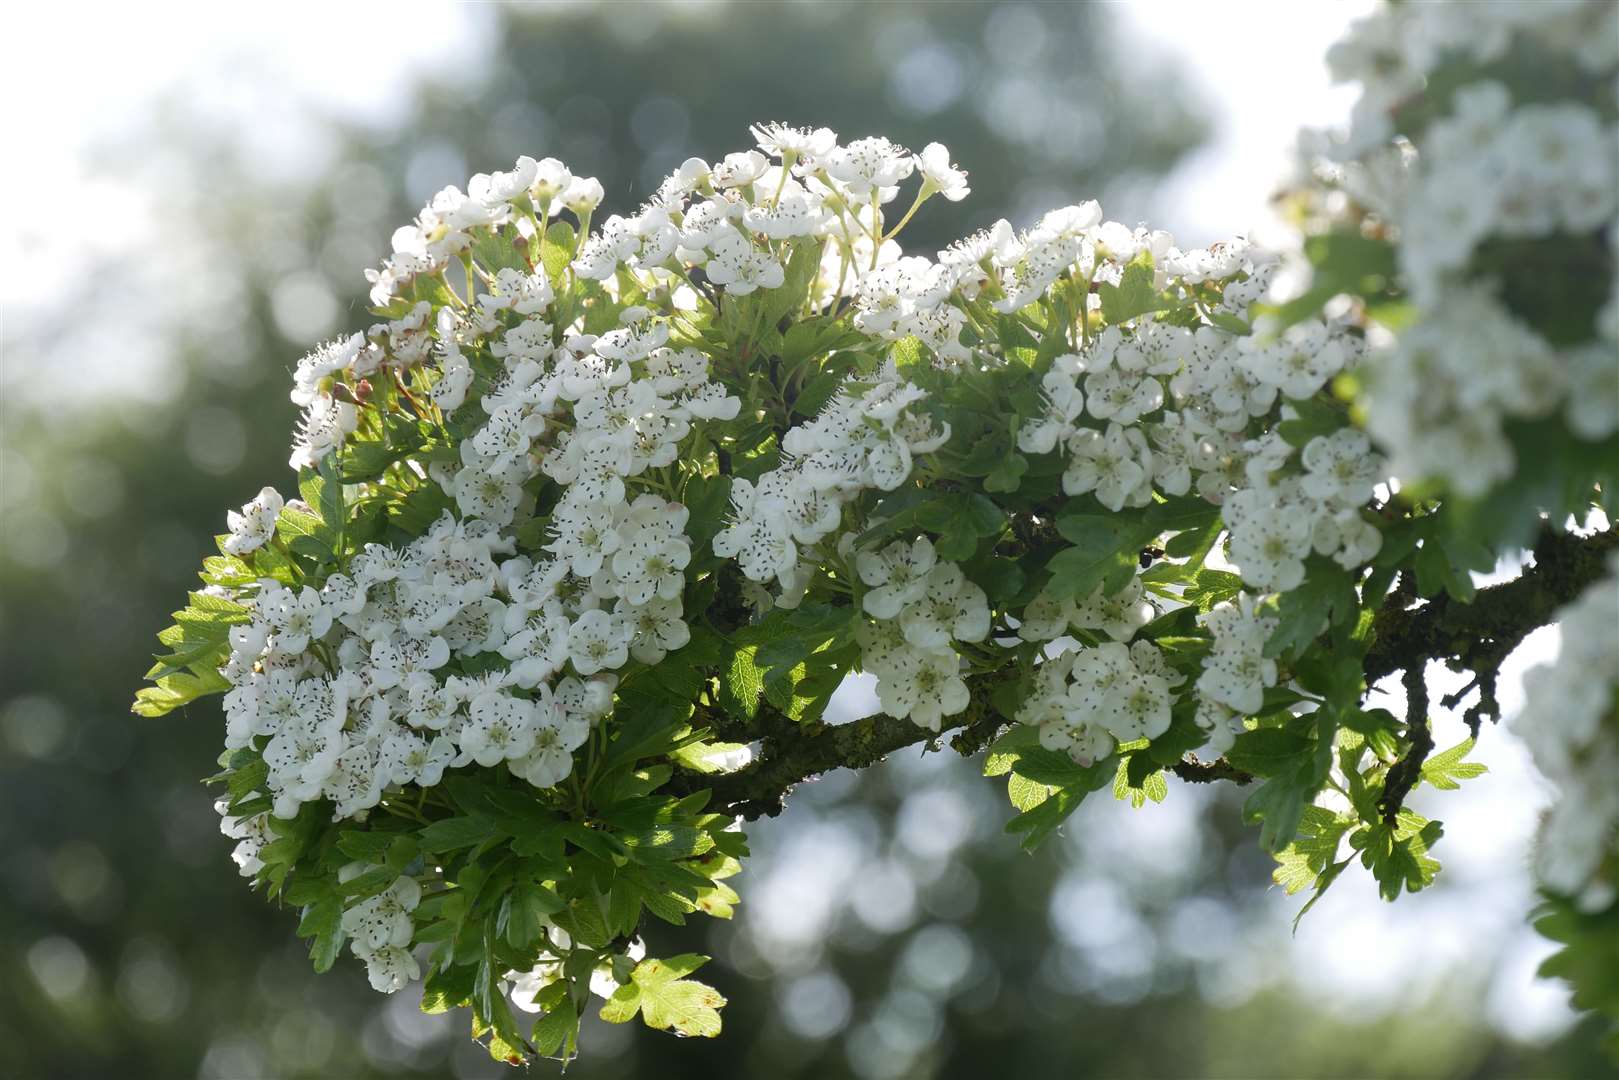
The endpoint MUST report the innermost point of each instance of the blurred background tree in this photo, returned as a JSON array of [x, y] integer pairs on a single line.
[[888, 930]]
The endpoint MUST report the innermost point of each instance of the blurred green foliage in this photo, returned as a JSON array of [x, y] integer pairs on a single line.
[[128, 945]]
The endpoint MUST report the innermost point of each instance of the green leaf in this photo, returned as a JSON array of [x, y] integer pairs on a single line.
[[1345, 262], [818, 636], [1134, 294], [666, 1000], [322, 921], [199, 640], [1315, 417], [800, 271], [523, 913], [742, 683], [447, 988], [1210, 588], [1152, 786], [1007, 475], [558, 250], [173, 691], [1398, 856], [1326, 596], [1106, 551], [493, 250], [1026, 794], [1278, 806], [1008, 747], [451, 834], [1446, 770], [1270, 751], [958, 519], [556, 1033], [1311, 861], [1047, 816]]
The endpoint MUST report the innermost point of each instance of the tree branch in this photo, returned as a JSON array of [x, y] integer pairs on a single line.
[[1482, 633], [791, 753], [1499, 617], [1408, 770]]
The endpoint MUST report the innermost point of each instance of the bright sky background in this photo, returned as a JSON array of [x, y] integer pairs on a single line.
[[1258, 66]]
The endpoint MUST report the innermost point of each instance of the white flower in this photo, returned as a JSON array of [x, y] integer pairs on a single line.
[[411, 759], [1269, 548], [938, 174], [738, 169], [950, 607], [1299, 363], [1122, 396], [582, 195], [711, 402], [390, 969], [1084, 743], [298, 619], [1116, 465], [650, 571], [557, 735], [896, 576], [1096, 673], [254, 525], [551, 179], [740, 267], [785, 141], [393, 662], [309, 380], [597, 642], [1046, 618], [538, 648], [342, 595], [585, 535], [1236, 672], [356, 783], [384, 919], [1118, 616], [868, 165], [1137, 708], [499, 727], [923, 686], [1342, 467], [483, 493], [325, 423], [656, 629], [1064, 404], [492, 190]]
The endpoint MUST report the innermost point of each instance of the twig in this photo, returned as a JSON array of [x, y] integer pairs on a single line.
[[1408, 770]]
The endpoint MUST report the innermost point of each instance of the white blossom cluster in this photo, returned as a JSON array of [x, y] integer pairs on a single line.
[[1087, 700], [1570, 722], [920, 607], [340, 687], [865, 439], [454, 649], [1236, 672], [1491, 169], [1176, 410], [380, 931]]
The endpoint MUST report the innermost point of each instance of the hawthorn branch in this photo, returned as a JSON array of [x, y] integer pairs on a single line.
[[1408, 770], [1479, 635], [1210, 772], [791, 753], [1488, 628]]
